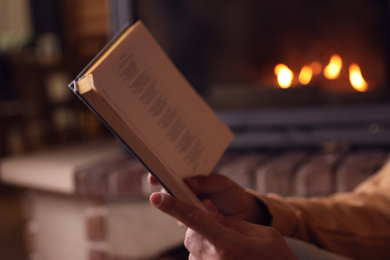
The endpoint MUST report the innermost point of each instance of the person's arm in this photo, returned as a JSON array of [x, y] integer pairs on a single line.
[[355, 224], [213, 236]]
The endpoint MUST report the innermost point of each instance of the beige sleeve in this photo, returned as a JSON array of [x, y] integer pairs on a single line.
[[356, 224]]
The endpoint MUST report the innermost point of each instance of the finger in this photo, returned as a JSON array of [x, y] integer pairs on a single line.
[[193, 242], [192, 257], [152, 180], [189, 215], [162, 190], [247, 228], [181, 225], [213, 183], [198, 245], [212, 210]]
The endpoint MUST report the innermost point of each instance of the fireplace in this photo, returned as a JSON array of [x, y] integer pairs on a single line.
[[284, 73], [326, 44], [262, 54]]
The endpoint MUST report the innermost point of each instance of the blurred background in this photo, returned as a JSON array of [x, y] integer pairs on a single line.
[[239, 55], [251, 54]]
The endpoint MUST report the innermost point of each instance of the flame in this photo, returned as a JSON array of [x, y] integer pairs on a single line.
[[356, 78], [305, 75], [332, 70], [284, 75], [316, 67]]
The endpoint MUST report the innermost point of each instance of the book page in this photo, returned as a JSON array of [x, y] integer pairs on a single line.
[[160, 106]]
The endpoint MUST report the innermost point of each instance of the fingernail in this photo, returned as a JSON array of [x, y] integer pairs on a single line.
[[156, 199]]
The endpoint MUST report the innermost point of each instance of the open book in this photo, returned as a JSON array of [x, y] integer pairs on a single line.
[[139, 94]]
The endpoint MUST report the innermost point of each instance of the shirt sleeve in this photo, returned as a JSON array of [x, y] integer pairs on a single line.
[[355, 224]]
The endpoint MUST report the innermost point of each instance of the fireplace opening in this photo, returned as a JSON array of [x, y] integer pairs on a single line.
[[339, 47], [245, 54]]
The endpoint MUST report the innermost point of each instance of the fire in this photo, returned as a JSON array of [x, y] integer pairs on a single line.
[[356, 78], [332, 70], [284, 75], [305, 75], [316, 67]]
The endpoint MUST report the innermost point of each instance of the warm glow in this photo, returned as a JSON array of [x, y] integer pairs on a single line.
[[332, 70], [316, 67], [284, 75], [305, 75], [356, 78]]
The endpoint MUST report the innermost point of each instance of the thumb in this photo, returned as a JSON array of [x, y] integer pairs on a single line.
[[248, 229], [191, 216]]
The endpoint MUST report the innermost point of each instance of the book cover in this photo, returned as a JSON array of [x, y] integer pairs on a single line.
[[134, 88]]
